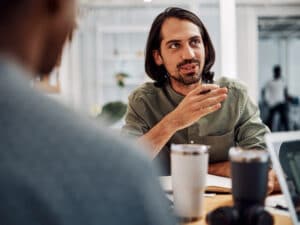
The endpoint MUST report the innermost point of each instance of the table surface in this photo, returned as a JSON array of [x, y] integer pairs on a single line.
[[226, 200]]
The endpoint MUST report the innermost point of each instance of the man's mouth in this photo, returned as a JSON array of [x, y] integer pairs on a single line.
[[188, 68]]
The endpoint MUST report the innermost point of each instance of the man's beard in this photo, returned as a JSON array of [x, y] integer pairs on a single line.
[[187, 79], [190, 78]]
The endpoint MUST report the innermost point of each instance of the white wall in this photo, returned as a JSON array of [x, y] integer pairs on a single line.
[[247, 48], [294, 66], [84, 73], [285, 52], [82, 76], [268, 56], [210, 16], [256, 59]]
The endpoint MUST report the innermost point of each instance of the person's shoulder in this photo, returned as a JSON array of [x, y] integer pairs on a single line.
[[144, 91], [101, 146], [90, 131], [67, 127], [232, 84], [117, 147], [67, 134], [147, 88]]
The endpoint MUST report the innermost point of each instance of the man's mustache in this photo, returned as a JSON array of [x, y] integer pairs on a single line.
[[188, 61]]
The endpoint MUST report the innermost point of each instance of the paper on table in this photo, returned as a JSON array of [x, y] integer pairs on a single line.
[[218, 184], [213, 184], [277, 204], [276, 200]]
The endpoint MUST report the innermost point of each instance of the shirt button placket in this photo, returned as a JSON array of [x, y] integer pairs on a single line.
[[192, 134]]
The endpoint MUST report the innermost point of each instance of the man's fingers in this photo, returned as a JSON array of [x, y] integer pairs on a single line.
[[210, 109], [213, 93], [208, 87], [203, 88], [210, 101]]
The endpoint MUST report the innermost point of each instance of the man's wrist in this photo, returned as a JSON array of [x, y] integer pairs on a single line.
[[170, 124]]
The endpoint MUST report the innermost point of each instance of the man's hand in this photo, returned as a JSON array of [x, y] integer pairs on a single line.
[[273, 184], [196, 105], [193, 107]]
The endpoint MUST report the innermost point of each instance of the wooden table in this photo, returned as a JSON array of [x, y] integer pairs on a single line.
[[226, 200]]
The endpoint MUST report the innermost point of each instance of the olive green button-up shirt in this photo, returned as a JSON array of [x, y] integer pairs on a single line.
[[237, 123]]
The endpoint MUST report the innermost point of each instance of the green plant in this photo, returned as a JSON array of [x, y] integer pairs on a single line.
[[120, 77], [113, 111]]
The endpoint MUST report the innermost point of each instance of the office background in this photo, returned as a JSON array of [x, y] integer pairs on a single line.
[[250, 37]]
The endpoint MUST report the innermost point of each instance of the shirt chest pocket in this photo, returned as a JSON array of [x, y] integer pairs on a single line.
[[220, 145]]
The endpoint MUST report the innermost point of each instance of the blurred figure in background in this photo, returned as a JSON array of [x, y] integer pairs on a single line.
[[56, 168], [276, 96]]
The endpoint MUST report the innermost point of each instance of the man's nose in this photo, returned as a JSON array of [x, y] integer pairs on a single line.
[[187, 52]]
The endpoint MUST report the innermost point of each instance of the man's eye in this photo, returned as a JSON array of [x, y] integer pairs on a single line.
[[195, 43], [174, 46]]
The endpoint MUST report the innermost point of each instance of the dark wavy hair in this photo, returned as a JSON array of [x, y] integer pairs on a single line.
[[159, 73]]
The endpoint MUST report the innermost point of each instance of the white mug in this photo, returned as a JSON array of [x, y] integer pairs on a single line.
[[189, 164]]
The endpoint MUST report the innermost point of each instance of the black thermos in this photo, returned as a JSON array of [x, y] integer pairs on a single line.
[[249, 172]]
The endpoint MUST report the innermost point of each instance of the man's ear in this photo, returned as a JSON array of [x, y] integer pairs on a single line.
[[157, 57]]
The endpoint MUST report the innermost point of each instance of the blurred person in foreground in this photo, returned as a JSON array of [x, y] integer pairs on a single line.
[[179, 107], [57, 168]]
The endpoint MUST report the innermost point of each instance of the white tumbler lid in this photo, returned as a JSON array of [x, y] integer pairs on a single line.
[[189, 149]]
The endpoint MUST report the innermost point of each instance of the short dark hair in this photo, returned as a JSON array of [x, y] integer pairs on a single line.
[[8, 8], [159, 73], [276, 71]]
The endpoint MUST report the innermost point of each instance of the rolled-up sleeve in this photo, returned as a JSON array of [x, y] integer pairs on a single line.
[[250, 130], [135, 125]]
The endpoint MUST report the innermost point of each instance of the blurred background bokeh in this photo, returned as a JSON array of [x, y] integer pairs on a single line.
[[104, 61]]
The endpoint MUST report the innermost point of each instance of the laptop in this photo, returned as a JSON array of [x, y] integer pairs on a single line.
[[284, 148]]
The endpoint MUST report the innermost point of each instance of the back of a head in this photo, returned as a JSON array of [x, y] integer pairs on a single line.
[[33, 32], [10, 9], [158, 73], [7, 6], [277, 72]]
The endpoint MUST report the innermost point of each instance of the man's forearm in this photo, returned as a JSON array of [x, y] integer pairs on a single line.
[[158, 136], [193, 107], [220, 169]]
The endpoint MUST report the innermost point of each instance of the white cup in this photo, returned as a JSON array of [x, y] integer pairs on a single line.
[[189, 164]]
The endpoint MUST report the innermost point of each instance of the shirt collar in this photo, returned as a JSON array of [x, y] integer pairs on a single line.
[[176, 97]]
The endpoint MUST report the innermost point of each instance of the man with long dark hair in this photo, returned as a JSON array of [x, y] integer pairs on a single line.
[[179, 107], [57, 168]]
